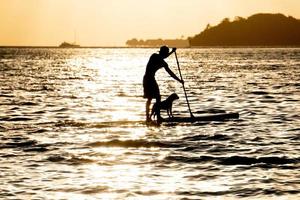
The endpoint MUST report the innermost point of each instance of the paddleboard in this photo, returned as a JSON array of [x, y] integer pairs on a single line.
[[208, 117]]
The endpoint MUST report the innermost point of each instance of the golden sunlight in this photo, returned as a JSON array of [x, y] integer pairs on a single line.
[[111, 23]]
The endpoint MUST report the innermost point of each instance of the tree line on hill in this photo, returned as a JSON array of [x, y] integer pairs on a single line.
[[256, 30]]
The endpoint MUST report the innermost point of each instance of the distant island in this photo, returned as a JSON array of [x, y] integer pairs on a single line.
[[256, 30], [158, 42], [68, 45]]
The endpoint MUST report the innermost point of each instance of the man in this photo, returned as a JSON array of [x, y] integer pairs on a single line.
[[151, 89]]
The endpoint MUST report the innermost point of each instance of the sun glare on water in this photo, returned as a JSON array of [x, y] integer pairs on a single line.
[[121, 101]]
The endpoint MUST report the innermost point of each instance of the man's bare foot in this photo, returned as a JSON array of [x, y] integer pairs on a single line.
[[148, 119], [159, 119]]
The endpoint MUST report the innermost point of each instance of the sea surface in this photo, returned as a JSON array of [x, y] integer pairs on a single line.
[[71, 125]]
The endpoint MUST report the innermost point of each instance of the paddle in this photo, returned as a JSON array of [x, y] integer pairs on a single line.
[[187, 100]]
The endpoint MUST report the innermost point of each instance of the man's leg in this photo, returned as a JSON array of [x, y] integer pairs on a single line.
[[148, 103], [158, 99]]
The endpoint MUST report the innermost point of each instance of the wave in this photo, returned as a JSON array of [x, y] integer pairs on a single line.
[[3, 128], [69, 159], [26, 145], [28, 103], [134, 144], [90, 189], [242, 193], [7, 95], [241, 160], [20, 144], [218, 137], [259, 93], [25, 103], [294, 129], [236, 160], [15, 119]]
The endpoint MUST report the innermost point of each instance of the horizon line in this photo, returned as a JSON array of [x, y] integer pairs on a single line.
[[147, 47]]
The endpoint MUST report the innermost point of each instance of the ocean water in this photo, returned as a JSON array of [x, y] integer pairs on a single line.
[[71, 125]]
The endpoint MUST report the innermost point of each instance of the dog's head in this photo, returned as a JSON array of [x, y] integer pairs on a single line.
[[173, 97]]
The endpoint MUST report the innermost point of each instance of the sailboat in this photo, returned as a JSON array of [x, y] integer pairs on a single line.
[[69, 45]]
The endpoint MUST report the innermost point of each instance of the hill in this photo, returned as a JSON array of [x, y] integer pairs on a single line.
[[256, 30]]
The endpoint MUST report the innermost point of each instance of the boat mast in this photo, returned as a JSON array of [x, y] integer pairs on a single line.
[[75, 38]]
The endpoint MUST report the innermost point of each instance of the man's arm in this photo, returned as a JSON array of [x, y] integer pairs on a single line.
[[172, 74]]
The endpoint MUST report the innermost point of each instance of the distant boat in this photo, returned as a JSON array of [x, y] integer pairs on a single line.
[[68, 45]]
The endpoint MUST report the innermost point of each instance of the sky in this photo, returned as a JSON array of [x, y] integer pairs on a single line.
[[112, 22]]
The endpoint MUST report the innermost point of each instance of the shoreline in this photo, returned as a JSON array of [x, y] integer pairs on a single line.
[[151, 47]]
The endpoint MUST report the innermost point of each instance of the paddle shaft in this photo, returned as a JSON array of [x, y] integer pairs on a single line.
[[186, 97]]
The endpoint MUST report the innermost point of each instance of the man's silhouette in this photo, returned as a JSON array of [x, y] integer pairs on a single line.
[[151, 89]]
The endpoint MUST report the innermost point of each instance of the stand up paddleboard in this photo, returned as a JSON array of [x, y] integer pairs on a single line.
[[208, 117], [192, 118]]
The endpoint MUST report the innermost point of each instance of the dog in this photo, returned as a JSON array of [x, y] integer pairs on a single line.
[[165, 105]]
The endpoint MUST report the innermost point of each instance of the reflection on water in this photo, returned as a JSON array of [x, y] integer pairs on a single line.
[[71, 125]]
